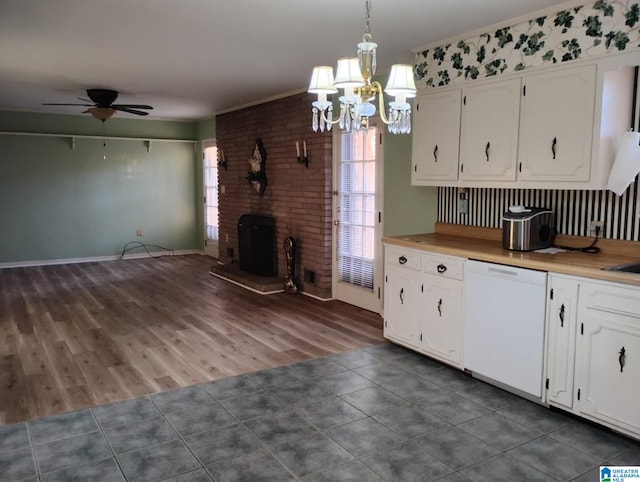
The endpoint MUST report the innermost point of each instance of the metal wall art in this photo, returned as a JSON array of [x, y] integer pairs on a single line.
[[257, 175]]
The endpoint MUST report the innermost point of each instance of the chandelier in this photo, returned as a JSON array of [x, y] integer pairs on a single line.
[[357, 103]]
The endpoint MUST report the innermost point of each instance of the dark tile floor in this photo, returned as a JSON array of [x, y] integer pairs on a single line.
[[380, 413]]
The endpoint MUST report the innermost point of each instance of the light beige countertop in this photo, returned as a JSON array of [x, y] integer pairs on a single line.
[[485, 244]]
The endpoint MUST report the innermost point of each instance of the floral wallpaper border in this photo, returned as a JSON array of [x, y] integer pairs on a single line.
[[575, 33]]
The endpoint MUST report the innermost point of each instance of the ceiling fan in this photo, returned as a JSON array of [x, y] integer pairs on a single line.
[[103, 106]]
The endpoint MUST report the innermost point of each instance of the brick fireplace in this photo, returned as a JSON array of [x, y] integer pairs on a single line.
[[298, 198]]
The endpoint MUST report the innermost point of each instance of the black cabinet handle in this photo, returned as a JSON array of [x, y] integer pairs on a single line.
[[486, 150], [435, 153], [402, 296], [441, 268], [561, 315], [440, 307], [621, 358], [402, 260], [554, 143]]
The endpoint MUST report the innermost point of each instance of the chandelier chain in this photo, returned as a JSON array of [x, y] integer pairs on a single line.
[[367, 29]]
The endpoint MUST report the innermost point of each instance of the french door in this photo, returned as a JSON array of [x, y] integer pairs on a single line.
[[357, 218], [210, 163]]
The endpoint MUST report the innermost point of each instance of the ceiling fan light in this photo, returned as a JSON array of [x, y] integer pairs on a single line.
[[401, 81], [102, 113]]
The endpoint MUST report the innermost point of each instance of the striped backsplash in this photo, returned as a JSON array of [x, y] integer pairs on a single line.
[[574, 210]]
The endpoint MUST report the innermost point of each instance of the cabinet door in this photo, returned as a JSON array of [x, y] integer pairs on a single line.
[[401, 292], [561, 341], [436, 136], [489, 132], [556, 126], [441, 320], [608, 356]]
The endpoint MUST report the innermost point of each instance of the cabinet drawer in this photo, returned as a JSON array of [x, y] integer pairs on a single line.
[[443, 265], [404, 258], [613, 299]]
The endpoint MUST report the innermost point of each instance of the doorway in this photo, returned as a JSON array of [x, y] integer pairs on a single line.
[[357, 217]]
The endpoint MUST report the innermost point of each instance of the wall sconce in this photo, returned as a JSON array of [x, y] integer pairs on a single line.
[[222, 161], [304, 159]]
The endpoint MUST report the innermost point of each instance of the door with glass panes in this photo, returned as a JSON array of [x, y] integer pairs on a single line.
[[210, 163], [357, 217]]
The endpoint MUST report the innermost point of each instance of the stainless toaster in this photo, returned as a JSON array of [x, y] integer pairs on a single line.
[[527, 228]]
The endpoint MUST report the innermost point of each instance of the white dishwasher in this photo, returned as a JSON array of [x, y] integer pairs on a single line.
[[504, 324]]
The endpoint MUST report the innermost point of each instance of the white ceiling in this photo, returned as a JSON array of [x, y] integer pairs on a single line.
[[191, 59]]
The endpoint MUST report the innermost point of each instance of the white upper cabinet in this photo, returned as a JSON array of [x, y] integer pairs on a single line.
[[489, 133], [436, 136], [551, 128], [557, 125]]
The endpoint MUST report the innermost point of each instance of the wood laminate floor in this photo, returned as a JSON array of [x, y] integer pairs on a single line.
[[80, 335]]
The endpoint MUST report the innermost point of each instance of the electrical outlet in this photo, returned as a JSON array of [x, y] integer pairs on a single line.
[[139, 233], [463, 203], [596, 225]]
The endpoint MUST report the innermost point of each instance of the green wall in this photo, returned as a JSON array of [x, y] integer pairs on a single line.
[[407, 209], [59, 203]]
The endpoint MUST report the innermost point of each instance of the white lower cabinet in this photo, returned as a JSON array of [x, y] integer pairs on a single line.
[[442, 315], [608, 356], [592, 365], [401, 295], [423, 307], [562, 308], [593, 351]]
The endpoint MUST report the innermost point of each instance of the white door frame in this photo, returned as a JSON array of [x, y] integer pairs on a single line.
[[351, 294]]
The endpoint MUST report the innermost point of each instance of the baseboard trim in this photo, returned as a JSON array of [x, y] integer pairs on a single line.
[[315, 297], [246, 287], [94, 259]]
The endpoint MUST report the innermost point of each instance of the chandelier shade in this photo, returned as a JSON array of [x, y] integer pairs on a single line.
[[401, 81], [354, 76], [322, 80], [348, 74]]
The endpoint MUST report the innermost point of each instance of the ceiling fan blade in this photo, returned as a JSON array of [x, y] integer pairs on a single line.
[[130, 111], [82, 105], [132, 106]]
